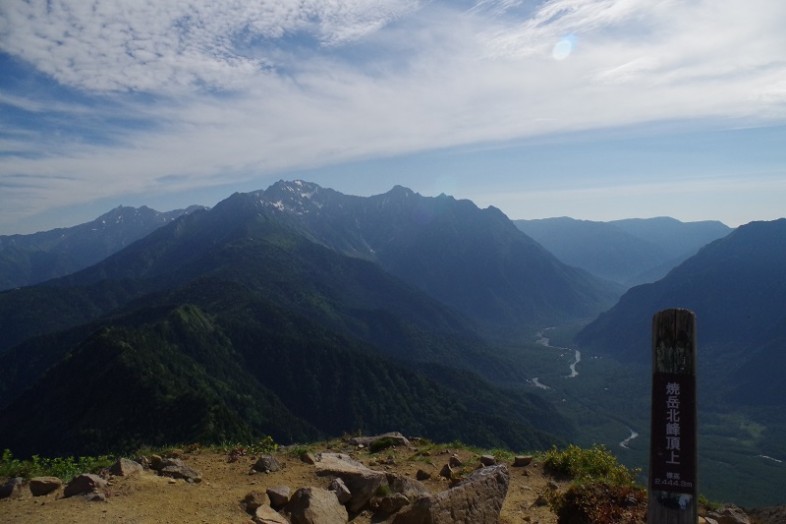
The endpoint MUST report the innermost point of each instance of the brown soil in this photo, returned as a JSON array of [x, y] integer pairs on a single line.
[[148, 498]]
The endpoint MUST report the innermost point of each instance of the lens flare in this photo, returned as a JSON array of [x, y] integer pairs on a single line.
[[564, 47]]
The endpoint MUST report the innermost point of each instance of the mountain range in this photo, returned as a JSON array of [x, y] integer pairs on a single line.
[[30, 259], [254, 282], [631, 251], [300, 312]]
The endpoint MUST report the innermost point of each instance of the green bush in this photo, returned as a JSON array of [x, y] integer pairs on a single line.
[[595, 463], [65, 468]]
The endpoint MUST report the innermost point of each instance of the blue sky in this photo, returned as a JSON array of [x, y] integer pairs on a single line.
[[595, 109]]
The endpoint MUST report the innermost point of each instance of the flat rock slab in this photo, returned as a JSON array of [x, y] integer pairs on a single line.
[[477, 499], [395, 437]]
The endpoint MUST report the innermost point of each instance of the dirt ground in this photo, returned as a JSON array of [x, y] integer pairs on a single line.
[[147, 498]]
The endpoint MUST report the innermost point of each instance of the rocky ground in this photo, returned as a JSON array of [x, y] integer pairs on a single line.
[[210, 486]]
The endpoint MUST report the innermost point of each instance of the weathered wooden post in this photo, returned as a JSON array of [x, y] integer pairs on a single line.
[[673, 453]]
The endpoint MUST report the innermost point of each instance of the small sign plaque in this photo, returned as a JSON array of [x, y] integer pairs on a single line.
[[673, 453]]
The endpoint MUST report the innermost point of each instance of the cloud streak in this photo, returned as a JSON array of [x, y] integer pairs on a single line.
[[210, 93]]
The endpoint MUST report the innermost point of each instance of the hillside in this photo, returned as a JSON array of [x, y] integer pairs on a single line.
[[629, 252], [228, 323], [34, 258], [473, 260]]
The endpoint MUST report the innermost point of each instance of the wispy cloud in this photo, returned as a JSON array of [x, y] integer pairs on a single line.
[[206, 92]]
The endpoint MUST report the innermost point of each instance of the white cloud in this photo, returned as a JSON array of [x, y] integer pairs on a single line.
[[241, 88]]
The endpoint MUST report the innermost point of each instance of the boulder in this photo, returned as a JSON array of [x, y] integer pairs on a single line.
[[253, 500], [394, 438], [40, 486], [125, 467], [487, 460], [341, 490], [267, 515], [315, 506], [422, 475], [446, 472], [279, 496], [309, 458], [389, 504], [522, 461], [729, 514], [267, 464], [479, 498], [455, 462], [12, 488], [176, 469], [362, 481], [84, 484]]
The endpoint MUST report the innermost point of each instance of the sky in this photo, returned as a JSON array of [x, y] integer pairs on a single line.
[[594, 109]]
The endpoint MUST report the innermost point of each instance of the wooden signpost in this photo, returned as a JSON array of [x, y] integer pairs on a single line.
[[673, 455]]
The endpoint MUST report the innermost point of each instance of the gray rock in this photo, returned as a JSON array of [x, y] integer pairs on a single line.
[[477, 499], [397, 438], [267, 515], [315, 506], [455, 462], [125, 467], [253, 500], [730, 514], [341, 490], [362, 481], [408, 487], [446, 472], [267, 464], [390, 504], [40, 486], [279, 496], [12, 488], [83, 484], [309, 458], [488, 460], [176, 469], [522, 461]]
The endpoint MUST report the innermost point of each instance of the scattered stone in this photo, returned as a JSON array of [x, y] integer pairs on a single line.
[[253, 500], [125, 468], [412, 489], [394, 438], [315, 506], [308, 458], [488, 460], [730, 514], [83, 484], [455, 462], [422, 475], [279, 496], [267, 515], [390, 504], [95, 496], [522, 461], [12, 488], [40, 486], [479, 498], [176, 469], [267, 464], [362, 482], [341, 490], [156, 462], [446, 472]]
